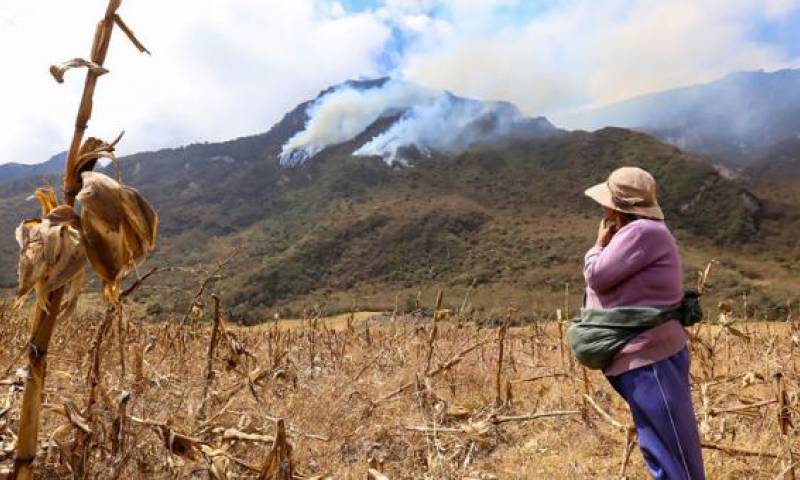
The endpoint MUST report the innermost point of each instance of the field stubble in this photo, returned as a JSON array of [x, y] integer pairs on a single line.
[[403, 395]]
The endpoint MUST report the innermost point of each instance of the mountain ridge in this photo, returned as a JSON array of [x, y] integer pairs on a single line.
[[506, 221], [12, 171], [735, 119]]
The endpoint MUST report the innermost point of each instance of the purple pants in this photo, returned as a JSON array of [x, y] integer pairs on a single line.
[[661, 404]]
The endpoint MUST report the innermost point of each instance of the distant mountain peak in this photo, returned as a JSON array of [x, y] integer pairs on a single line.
[[13, 171], [735, 119], [356, 84]]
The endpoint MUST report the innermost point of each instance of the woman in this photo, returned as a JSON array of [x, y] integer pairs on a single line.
[[635, 263]]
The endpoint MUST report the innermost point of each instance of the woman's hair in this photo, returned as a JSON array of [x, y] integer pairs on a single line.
[[629, 217]]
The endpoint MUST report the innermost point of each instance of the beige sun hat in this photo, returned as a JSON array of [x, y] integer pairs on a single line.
[[629, 190]]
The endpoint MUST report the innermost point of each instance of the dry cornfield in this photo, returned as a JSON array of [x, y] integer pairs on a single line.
[[395, 393]]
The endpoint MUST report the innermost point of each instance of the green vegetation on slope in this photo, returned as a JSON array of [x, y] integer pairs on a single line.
[[509, 219]]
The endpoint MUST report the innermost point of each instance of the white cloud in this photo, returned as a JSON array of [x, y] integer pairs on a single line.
[[218, 70], [590, 52], [222, 69]]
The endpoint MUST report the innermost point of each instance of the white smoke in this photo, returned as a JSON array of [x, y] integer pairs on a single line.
[[342, 114], [446, 124], [430, 121]]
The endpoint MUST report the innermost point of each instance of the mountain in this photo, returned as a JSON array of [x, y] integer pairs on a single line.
[[14, 171], [418, 122], [500, 222], [736, 119]]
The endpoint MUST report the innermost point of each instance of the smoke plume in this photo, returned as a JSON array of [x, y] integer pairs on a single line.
[[340, 115], [429, 121]]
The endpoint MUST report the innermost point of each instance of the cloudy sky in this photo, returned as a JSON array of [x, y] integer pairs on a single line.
[[227, 68]]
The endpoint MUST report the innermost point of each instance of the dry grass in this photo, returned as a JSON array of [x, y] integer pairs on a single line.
[[354, 396]]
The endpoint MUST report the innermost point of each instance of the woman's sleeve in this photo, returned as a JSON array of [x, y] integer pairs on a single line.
[[626, 254]]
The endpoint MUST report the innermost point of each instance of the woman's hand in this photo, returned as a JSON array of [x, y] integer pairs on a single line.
[[605, 232]]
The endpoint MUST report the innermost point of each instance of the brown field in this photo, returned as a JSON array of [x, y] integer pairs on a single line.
[[360, 392]]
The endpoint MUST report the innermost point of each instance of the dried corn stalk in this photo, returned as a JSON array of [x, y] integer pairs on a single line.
[[38, 241], [119, 226]]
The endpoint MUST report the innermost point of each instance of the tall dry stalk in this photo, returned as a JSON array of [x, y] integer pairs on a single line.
[[46, 313], [784, 422], [80, 447], [210, 356], [501, 340], [434, 331], [27, 436]]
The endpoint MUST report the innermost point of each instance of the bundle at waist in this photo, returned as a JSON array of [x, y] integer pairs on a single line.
[[598, 334]]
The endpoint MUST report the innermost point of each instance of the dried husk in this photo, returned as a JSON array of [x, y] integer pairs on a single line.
[[91, 150], [119, 226], [52, 255]]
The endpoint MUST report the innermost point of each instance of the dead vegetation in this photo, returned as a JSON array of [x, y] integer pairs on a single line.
[[400, 396]]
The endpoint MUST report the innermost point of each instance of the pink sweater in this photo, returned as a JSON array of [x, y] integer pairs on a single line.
[[640, 267]]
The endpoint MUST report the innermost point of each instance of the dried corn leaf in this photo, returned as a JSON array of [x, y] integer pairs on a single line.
[[278, 465], [58, 440], [75, 418], [90, 152], [141, 222], [219, 468], [129, 33], [478, 430], [702, 277], [234, 434], [119, 425], [58, 70], [31, 266], [373, 474], [72, 293], [177, 443], [457, 412], [217, 462], [64, 215], [52, 255], [736, 332], [119, 225]]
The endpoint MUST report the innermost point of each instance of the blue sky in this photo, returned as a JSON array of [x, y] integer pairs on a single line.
[[360, 5], [225, 69], [784, 31], [511, 12]]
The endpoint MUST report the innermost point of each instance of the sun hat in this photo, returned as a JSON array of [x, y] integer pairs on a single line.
[[628, 190]]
